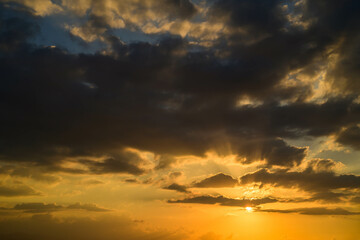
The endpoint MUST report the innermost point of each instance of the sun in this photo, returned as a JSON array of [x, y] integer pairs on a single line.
[[249, 209]]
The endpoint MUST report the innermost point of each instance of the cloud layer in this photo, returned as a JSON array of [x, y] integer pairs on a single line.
[[173, 102]]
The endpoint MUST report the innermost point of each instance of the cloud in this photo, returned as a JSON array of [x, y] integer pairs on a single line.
[[180, 8], [312, 211], [308, 180], [322, 165], [37, 207], [350, 137], [166, 161], [330, 197], [17, 29], [217, 181], [355, 200], [224, 201], [17, 190], [42, 8], [121, 163], [87, 207], [131, 180], [28, 172], [92, 182], [324, 197], [52, 207], [254, 16], [275, 152], [175, 175], [169, 97], [177, 187], [46, 226], [149, 16]]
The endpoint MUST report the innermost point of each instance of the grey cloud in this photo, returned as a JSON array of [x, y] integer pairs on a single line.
[[308, 180], [166, 161], [332, 197], [87, 207], [175, 174], [28, 172], [17, 29], [177, 187], [324, 197], [92, 182], [17, 190], [255, 16], [322, 165], [340, 18], [169, 98], [275, 152], [224, 201], [180, 8], [313, 211], [120, 163], [52, 207], [350, 136], [355, 200], [37, 207], [98, 25], [217, 181], [131, 180]]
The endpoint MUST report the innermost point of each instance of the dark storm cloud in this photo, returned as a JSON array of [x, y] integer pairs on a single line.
[[121, 163], [319, 179], [255, 16], [275, 152], [272, 37], [308, 179], [312, 211], [177, 187], [350, 136], [169, 98], [16, 29], [217, 181], [224, 201], [179, 8], [347, 67], [339, 19]]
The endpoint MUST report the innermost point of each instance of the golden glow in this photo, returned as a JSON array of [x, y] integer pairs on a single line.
[[249, 209]]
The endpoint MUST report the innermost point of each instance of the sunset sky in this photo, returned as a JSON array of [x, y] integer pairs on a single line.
[[180, 119]]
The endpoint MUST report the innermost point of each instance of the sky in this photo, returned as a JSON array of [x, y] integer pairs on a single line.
[[180, 119]]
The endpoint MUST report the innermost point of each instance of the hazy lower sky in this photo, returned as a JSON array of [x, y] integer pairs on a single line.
[[180, 119]]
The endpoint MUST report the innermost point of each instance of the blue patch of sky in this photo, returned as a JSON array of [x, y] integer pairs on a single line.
[[54, 33]]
